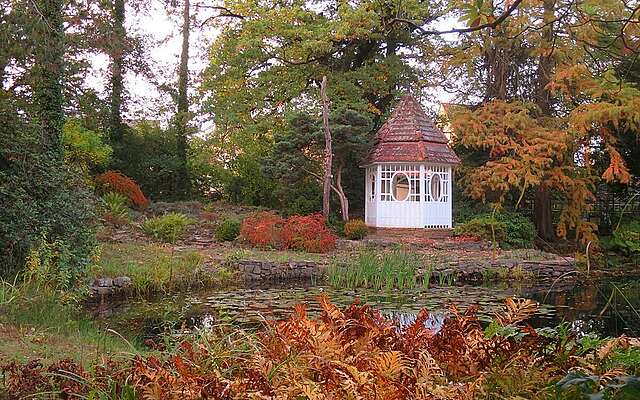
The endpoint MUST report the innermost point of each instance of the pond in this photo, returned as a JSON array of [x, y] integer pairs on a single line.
[[609, 307]]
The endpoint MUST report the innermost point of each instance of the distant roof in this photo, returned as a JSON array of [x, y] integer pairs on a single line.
[[409, 135]]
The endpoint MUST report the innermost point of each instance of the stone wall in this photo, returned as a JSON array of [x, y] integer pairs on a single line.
[[506, 269], [251, 270]]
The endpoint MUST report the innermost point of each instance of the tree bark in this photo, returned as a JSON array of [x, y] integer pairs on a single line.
[[546, 60], [328, 152], [183, 185], [48, 74], [543, 217], [542, 202], [116, 129]]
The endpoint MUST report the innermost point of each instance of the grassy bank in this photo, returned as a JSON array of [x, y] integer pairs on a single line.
[[156, 268], [36, 322]]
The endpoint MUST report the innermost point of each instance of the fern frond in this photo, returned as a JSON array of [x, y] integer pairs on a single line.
[[389, 365], [517, 311], [329, 308]]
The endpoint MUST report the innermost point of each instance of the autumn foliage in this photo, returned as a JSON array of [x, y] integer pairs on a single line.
[[115, 181], [355, 353], [355, 229], [525, 153], [307, 233], [262, 229]]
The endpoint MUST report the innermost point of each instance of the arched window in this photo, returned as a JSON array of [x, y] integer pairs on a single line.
[[400, 186]]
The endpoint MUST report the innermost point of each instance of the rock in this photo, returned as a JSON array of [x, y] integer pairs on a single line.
[[122, 281], [102, 290], [346, 244], [103, 282]]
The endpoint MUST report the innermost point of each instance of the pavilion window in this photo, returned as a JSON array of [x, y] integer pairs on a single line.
[[415, 184], [437, 184], [400, 183], [371, 184]]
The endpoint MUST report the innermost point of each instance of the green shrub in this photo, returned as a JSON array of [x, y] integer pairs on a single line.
[[40, 197], [355, 229], [336, 224], [484, 226], [510, 230], [465, 210], [84, 148], [168, 228], [626, 239], [117, 206], [228, 230]]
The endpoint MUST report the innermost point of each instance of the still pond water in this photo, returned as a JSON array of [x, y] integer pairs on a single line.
[[606, 307]]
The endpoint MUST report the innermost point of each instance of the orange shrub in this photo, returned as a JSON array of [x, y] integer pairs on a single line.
[[308, 233], [117, 182], [355, 229], [262, 229]]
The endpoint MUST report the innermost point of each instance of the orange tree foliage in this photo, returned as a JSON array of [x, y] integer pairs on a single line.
[[612, 106], [117, 182], [524, 153], [355, 353], [308, 233]]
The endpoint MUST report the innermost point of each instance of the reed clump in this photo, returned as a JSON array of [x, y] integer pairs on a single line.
[[395, 269]]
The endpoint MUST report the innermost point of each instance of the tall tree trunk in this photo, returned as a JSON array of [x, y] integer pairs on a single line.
[[546, 60], [497, 64], [117, 52], [328, 152], [48, 74], [542, 202], [183, 183], [543, 217]]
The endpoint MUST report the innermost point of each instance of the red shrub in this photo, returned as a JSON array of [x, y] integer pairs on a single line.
[[308, 233], [117, 182], [262, 229]]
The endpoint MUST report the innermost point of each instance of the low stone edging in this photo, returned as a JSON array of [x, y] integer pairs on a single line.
[[475, 270], [466, 271], [253, 270]]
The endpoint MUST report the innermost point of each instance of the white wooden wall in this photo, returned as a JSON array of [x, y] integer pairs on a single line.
[[428, 202]]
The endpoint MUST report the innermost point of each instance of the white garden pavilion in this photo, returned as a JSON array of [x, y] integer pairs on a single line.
[[409, 172]]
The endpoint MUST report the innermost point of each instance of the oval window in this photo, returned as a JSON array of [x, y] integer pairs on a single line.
[[435, 187], [400, 187]]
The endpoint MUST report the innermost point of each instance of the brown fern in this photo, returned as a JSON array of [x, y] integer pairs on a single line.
[[517, 311]]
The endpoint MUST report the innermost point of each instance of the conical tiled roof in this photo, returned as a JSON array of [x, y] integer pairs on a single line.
[[409, 135]]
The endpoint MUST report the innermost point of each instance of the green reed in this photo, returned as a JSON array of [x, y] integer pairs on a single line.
[[395, 269]]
